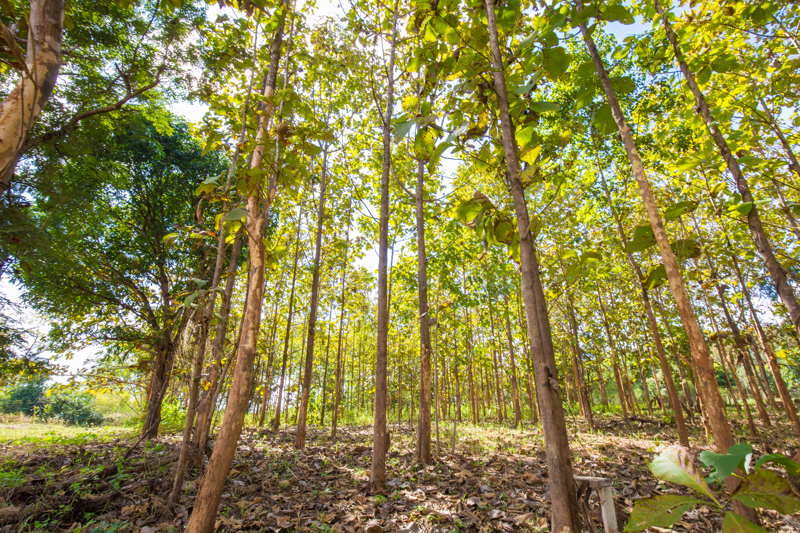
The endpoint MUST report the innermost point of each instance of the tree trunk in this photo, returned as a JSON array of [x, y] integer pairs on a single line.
[[24, 103], [207, 401], [712, 401], [302, 415], [514, 382], [423, 452], [205, 506], [577, 364], [760, 238], [564, 506], [342, 300], [276, 421], [157, 388], [496, 362], [380, 440]]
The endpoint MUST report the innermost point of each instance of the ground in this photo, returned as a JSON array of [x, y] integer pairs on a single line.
[[486, 479]]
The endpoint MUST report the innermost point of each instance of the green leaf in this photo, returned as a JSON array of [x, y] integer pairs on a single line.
[[659, 511], [618, 13], [642, 238], [544, 107], [603, 120], [686, 249], [734, 523], [726, 464], [425, 143], [655, 277], [674, 464], [743, 208], [766, 489], [525, 137], [623, 84], [504, 230], [792, 467], [401, 129], [555, 61], [169, 238], [235, 214], [675, 211]]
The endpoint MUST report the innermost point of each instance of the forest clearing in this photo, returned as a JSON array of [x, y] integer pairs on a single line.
[[399, 265]]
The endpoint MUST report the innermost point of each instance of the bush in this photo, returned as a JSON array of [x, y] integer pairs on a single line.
[[26, 398], [71, 408]]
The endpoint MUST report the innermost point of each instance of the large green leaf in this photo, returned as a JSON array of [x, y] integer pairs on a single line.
[[734, 523], [401, 129], [766, 489], [686, 249], [641, 239], [659, 511], [525, 137], [618, 13], [555, 61], [655, 277], [792, 467], [504, 230], [724, 465], [235, 214], [544, 107], [677, 210], [425, 143], [674, 464], [603, 120]]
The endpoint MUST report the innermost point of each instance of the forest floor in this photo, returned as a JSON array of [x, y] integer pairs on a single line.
[[493, 479]]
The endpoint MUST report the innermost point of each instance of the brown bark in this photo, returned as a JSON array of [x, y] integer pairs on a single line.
[[302, 415], [496, 361], [564, 506], [652, 323], [258, 205], [577, 365], [514, 382], [757, 232], [380, 436], [38, 74], [342, 300], [711, 399], [423, 452]]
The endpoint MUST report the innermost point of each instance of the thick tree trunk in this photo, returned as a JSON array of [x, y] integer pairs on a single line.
[[711, 399], [380, 436], [157, 388], [564, 506], [757, 232], [302, 414], [258, 205], [22, 106], [423, 452]]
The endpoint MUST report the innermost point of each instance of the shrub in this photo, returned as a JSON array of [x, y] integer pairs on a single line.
[[26, 398], [71, 408]]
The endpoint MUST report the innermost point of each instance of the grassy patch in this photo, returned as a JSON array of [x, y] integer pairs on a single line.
[[45, 434]]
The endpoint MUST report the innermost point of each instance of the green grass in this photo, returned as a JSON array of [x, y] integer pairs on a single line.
[[45, 434]]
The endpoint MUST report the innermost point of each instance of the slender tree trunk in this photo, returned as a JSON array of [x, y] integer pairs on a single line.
[[496, 362], [325, 370], [623, 402], [759, 235], [22, 106], [514, 382], [564, 506], [302, 415], [380, 435], [205, 507], [712, 401], [652, 323], [342, 300], [423, 452], [276, 421], [207, 401], [577, 364]]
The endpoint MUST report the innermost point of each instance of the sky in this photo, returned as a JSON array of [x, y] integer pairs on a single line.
[[194, 112]]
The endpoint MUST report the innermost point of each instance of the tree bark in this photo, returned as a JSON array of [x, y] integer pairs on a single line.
[[380, 437], [423, 452], [302, 415], [22, 106], [711, 399], [563, 500], [757, 232], [258, 206], [342, 300]]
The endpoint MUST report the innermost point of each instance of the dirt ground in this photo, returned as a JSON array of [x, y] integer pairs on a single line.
[[486, 479]]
